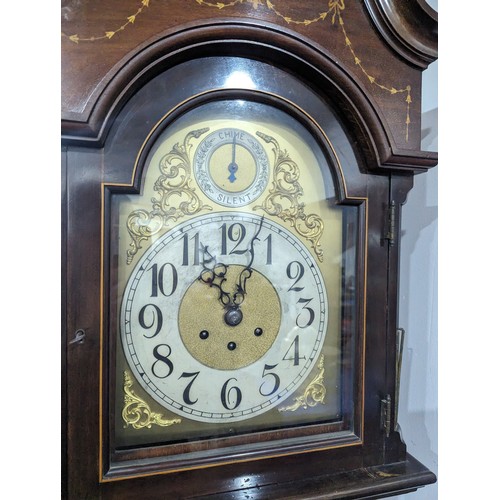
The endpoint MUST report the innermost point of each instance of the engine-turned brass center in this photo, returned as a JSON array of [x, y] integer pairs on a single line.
[[217, 343]]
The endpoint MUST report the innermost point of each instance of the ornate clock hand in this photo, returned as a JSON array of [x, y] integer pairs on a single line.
[[214, 276], [233, 167], [245, 274]]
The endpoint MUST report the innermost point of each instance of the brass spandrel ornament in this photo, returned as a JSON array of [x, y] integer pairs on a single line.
[[314, 394], [137, 413], [174, 182], [283, 199]]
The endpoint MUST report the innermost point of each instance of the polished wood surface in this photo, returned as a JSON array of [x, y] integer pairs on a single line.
[[123, 63], [103, 43]]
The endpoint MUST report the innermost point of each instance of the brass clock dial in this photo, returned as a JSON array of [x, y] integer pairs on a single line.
[[224, 317], [229, 280]]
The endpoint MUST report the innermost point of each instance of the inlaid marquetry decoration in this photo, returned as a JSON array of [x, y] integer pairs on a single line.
[[107, 35], [331, 12], [137, 413], [283, 199], [315, 392], [175, 180]]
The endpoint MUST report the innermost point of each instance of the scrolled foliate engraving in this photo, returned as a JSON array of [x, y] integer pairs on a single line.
[[283, 198], [175, 181], [137, 413], [315, 392]]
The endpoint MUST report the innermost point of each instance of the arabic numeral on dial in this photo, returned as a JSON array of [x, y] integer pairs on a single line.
[[295, 271], [230, 396], [186, 395], [293, 353], [306, 311], [197, 250], [272, 378], [158, 280], [162, 367], [269, 255], [235, 233], [150, 317]]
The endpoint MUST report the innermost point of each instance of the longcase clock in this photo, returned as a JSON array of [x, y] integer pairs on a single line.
[[233, 176]]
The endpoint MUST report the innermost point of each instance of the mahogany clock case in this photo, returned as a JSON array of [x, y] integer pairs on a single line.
[[361, 453]]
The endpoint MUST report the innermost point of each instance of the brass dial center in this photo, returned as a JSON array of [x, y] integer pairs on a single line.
[[229, 338]]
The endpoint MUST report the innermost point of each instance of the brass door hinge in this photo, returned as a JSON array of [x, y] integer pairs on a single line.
[[385, 414], [390, 234]]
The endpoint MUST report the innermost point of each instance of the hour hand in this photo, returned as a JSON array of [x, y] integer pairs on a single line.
[[233, 167], [213, 274]]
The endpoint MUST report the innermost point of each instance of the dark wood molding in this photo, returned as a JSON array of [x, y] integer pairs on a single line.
[[417, 161], [354, 97], [369, 482], [410, 27], [260, 41]]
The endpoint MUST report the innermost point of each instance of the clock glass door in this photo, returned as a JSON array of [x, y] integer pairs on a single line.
[[233, 288]]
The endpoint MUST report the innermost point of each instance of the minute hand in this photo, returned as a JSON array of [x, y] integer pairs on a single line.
[[239, 296], [233, 166]]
